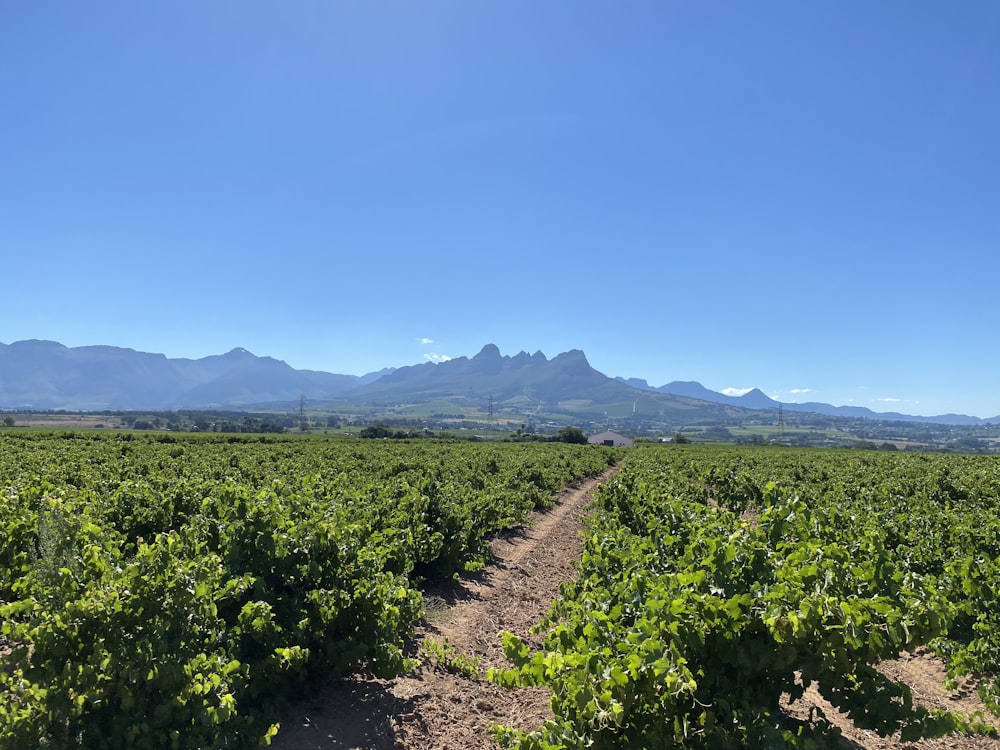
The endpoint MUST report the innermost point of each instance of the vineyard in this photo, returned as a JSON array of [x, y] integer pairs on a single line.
[[717, 584], [163, 591]]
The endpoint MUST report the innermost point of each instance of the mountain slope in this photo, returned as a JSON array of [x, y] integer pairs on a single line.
[[568, 376], [753, 399], [756, 399], [527, 382], [47, 375]]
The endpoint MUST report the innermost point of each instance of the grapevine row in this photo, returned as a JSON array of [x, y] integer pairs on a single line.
[[718, 582], [174, 592]]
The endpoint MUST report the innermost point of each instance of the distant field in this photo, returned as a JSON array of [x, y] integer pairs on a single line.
[[66, 420], [772, 431]]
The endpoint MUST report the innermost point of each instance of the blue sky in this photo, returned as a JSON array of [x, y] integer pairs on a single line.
[[801, 197]]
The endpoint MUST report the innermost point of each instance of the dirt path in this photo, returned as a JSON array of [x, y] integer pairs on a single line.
[[434, 708], [925, 674]]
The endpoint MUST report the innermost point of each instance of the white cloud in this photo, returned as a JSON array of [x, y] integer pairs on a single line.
[[432, 357], [426, 341], [801, 390], [735, 391], [889, 400]]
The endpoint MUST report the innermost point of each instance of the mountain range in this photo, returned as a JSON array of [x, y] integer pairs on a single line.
[[46, 375], [757, 399]]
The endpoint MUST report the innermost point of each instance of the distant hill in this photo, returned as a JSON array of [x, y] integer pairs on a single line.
[[757, 399], [47, 375], [861, 412], [753, 399], [524, 383], [531, 377]]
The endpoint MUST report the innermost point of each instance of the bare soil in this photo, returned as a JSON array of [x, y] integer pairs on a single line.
[[925, 675], [434, 708]]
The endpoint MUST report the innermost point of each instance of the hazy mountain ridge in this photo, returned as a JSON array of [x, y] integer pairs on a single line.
[[757, 399], [48, 375], [45, 375], [567, 376]]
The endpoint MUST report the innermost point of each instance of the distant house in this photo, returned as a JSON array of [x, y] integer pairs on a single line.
[[609, 438]]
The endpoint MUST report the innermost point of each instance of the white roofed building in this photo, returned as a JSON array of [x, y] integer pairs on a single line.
[[610, 438]]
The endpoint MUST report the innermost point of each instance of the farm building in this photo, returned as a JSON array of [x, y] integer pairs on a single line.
[[609, 438]]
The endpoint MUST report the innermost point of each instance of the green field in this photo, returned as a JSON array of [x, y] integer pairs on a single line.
[[715, 579], [162, 590], [171, 591]]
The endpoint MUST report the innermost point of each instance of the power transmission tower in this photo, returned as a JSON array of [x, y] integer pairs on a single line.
[[302, 412], [781, 421], [491, 412]]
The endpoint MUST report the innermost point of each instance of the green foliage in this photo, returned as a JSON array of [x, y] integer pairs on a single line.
[[707, 590], [175, 594], [377, 431], [571, 435], [451, 660]]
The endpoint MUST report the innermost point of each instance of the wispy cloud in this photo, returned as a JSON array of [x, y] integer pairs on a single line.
[[801, 390], [890, 400], [735, 391], [426, 341], [434, 357]]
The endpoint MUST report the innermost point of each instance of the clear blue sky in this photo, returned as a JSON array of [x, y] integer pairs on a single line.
[[799, 196]]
